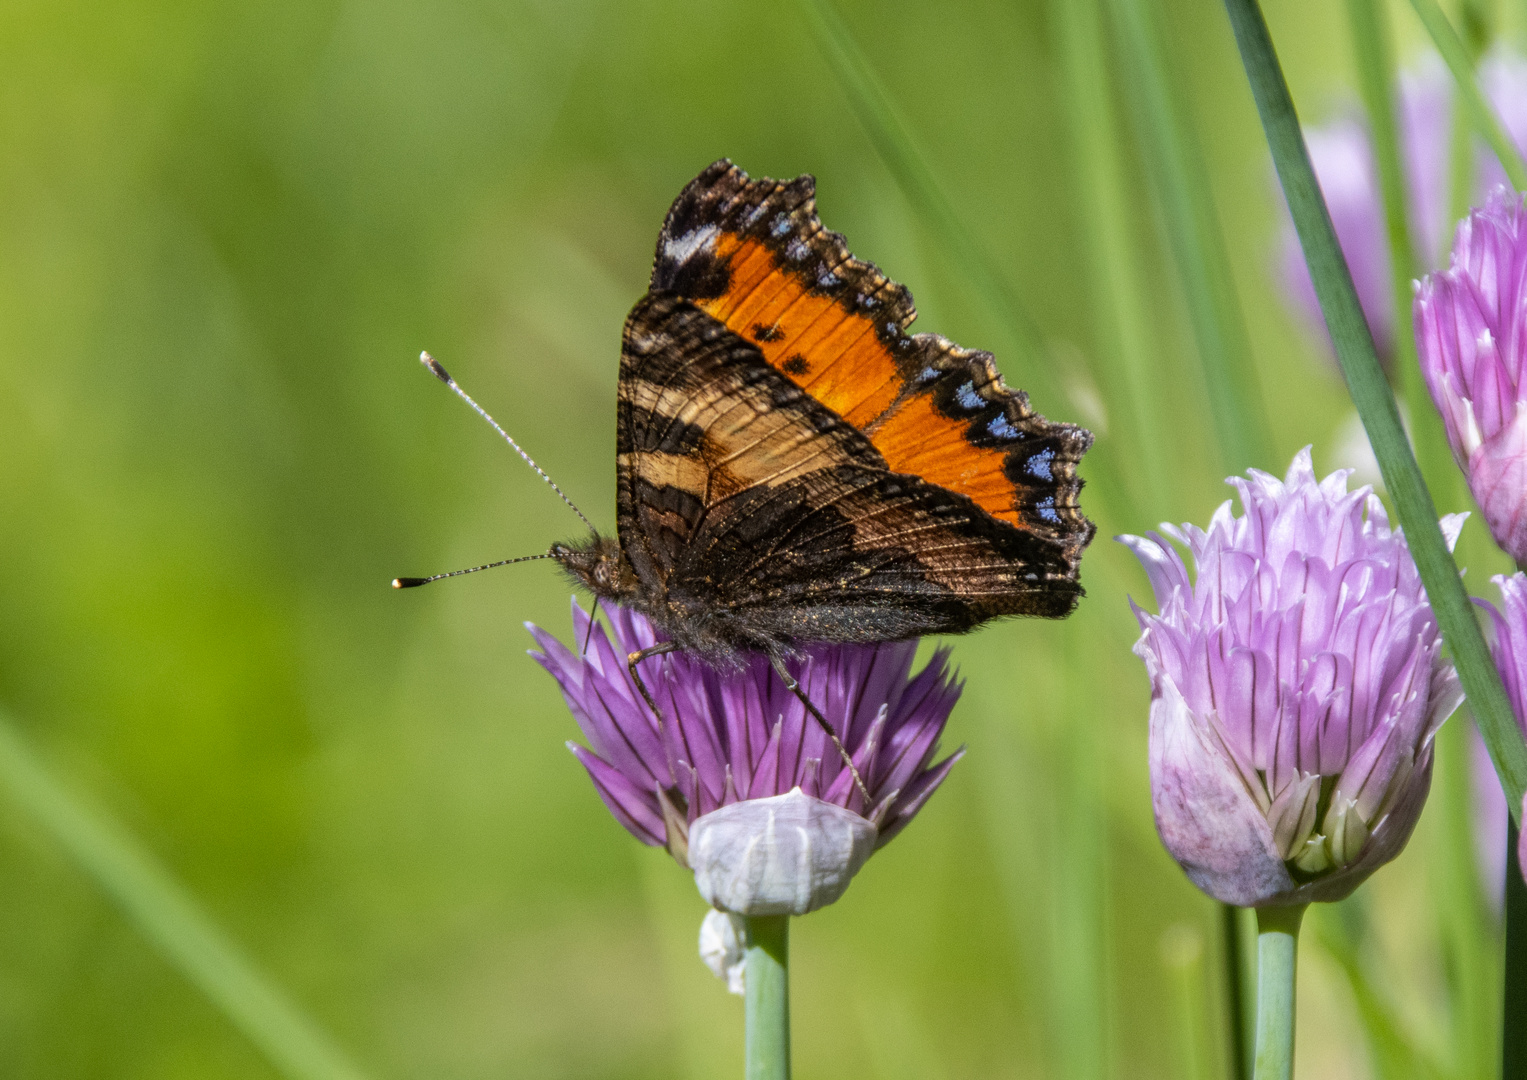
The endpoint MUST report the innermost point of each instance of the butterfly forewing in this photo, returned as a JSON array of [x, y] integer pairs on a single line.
[[745, 501], [755, 256]]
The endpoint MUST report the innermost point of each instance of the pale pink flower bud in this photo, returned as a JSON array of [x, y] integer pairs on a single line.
[[1297, 682], [1471, 334]]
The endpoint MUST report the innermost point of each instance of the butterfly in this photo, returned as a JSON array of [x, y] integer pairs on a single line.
[[793, 467]]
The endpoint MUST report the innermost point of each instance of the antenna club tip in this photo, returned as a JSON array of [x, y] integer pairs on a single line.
[[435, 369], [408, 582]]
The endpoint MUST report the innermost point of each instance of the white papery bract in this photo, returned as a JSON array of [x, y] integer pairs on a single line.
[[1296, 686], [785, 855], [723, 948]]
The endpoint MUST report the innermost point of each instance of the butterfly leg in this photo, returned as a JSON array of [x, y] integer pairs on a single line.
[[632, 659], [671, 799], [795, 688]]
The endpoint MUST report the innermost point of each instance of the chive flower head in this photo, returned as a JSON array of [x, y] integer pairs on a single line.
[[1297, 682], [1471, 333], [739, 781], [1509, 649]]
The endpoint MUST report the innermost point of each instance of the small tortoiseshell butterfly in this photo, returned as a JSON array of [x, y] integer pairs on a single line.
[[794, 467]]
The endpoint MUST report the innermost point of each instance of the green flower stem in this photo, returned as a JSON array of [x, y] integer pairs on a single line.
[[1461, 64], [767, 1005], [1235, 966], [1514, 1015], [1277, 963], [171, 919], [1375, 401]]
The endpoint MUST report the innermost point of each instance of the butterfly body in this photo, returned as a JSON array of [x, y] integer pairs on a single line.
[[793, 467]]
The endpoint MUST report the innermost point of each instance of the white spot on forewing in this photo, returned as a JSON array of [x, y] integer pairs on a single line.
[[683, 248]]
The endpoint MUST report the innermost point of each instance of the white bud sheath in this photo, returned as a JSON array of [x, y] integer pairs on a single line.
[[722, 949], [784, 855]]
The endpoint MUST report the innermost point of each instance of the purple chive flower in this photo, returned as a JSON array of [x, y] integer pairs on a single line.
[[1471, 332], [1342, 154], [1509, 648], [1296, 684], [738, 757]]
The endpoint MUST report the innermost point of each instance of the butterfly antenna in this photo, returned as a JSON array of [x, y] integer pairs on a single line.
[[415, 582], [444, 376]]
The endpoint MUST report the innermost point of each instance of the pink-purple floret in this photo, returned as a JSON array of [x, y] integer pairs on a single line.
[[1303, 658], [1509, 650], [1471, 333], [735, 735], [1509, 647]]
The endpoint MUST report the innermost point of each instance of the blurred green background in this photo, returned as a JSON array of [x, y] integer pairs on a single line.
[[227, 230]]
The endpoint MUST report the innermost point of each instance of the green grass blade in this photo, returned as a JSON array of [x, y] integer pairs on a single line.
[[1461, 64], [908, 166], [1375, 401], [1118, 292], [873, 106], [1179, 177], [1514, 1035], [171, 919], [1240, 998], [1467, 937], [1470, 941], [1182, 954], [1374, 56], [1371, 47], [1395, 1057], [1080, 876]]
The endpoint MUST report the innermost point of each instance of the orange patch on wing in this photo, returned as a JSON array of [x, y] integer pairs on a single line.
[[832, 354], [920, 440], [837, 357]]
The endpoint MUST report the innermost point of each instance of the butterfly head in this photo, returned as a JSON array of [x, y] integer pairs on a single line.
[[598, 565]]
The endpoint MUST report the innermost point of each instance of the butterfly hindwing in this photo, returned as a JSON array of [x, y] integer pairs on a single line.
[[745, 500], [755, 256]]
